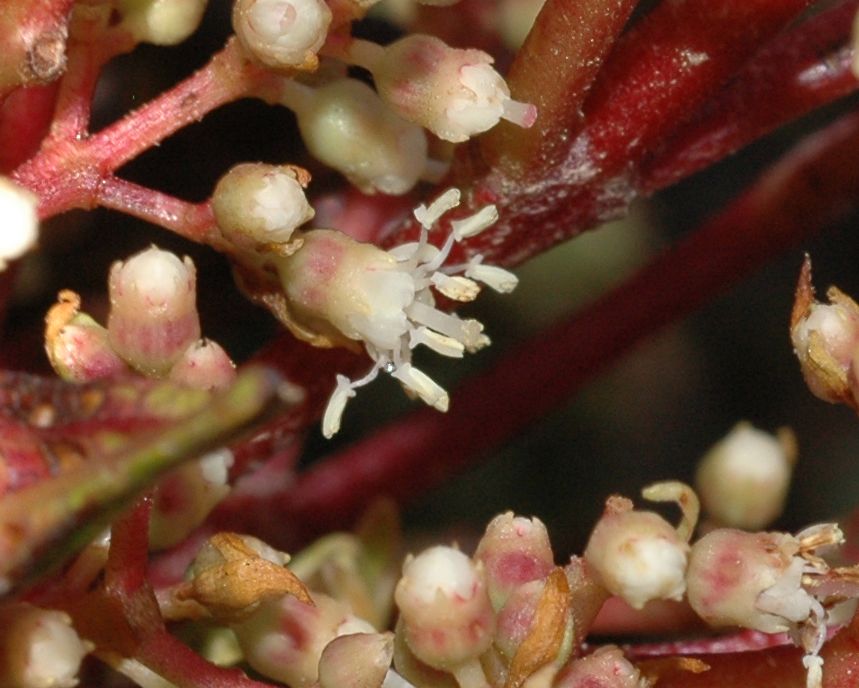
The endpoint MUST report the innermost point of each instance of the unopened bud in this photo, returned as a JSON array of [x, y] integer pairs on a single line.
[[153, 315], [743, 479], [637, 555], [284, 639], [447, 616], [357, 660], [346, 126], [284, 34], [514, 550], [20, 221], [161, 22], [455, 93], [204, 365], [825, 339], [186, 495], [38, 648], [258, 204], [606, 667], [77, 346]]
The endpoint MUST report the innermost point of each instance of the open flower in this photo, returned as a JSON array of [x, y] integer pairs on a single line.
[[338, 289]]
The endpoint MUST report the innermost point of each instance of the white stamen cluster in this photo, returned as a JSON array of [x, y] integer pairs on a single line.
[[404, 314]]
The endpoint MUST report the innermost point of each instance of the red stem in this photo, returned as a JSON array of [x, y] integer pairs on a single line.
[[810, 188], [555, 80], [799, 71]]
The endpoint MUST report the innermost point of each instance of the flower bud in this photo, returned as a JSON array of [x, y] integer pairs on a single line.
[[38, 648], [153, 315], [185, 496], [514, 550], [825, 339], [637, 554], [20, 221], [204, 365], [357, 660], [447, 616], [77, 346], [454, 93], [346, 126], [284, 34], [606, 667], [161, 22], [729, 570], [257, 204], [284, 639], [743, 479]]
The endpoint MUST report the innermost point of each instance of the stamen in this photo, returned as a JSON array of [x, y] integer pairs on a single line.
[[336, 405], [441, 344], [430, 392], [428, 215], [500, 280], [517, 112], [456, 288], [475, 224]]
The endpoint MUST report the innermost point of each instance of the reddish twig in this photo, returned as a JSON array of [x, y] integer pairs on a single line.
[[799, 71]]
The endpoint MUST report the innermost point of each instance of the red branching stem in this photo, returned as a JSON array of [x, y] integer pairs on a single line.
[[181, 666], [799, 71], [90, 47], [125, 572], [25, 117], [193, 221], [554, 70], [67, 173], [794, 199]]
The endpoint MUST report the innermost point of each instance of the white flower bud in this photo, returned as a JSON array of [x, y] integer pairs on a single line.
[[284, 639], [204, 365], [38, 648], [454, 93], [447, 616], [258, 204], [282, 33], [743, 479], [345, 125], [359, 660], [161, 22], [515, 550], [20, 221], [606, 667], [637, 554], [153, 315]]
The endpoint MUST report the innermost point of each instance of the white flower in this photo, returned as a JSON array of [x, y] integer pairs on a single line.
[[20, 221], [385, 299]]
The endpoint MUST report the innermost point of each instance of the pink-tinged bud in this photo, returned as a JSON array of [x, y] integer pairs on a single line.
[[185, 496], [447, 616], [77, 346], [257, 204], [454, 93], [204, 365], [284, 638], [516, 616], [345, 125], [153, 315], [637, 555], [284, 34], [38, 648], [161, 22], [729, 570], [605, 668], [514, 550], [20, 221], [825, 339], [357, 660], [743, 479]]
